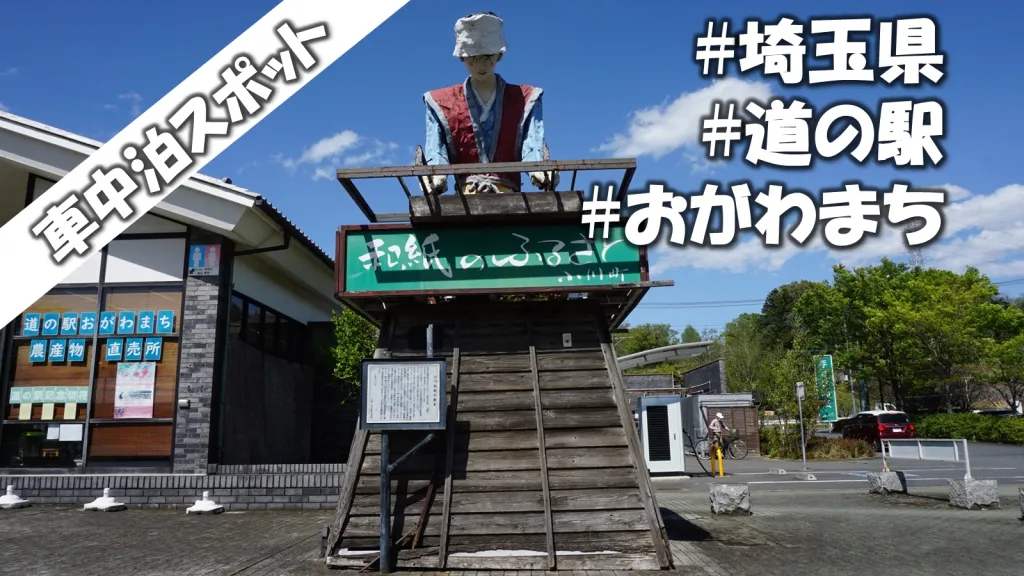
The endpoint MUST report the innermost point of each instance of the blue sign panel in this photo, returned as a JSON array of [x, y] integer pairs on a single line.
[[154, 348], [57, 350], [51, 324], [69, 324], [115, 348], [165, 322], [76, 350], [87, 324], [37, 351], [133, 349], [146, 320], [30, 324], [108, 323], [126, 322]]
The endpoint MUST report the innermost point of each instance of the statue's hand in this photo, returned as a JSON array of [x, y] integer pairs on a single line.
[[481, 187], [435, 184], [545, 180]]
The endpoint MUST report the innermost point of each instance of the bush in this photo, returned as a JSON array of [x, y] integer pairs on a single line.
[[974, 427], [775, 444]]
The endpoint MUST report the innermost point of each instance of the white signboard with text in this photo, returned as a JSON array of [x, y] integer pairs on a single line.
[[404, 394]]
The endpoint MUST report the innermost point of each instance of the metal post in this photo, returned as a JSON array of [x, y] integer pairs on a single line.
[[803, 447], [430, 341], [385, 505], [853, 399], [967, 462]]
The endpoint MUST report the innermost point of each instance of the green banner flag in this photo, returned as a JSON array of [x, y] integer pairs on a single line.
[[826, 385]]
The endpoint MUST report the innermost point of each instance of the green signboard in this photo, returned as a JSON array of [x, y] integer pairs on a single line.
[[404, 259], [826, 386], [49, 394]]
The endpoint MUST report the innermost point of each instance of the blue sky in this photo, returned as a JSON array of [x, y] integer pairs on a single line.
[[88, 68]]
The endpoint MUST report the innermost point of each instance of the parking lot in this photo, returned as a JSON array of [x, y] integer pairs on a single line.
[[815, 532]]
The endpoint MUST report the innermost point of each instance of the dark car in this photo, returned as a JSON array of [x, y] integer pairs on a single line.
[[875, 426]]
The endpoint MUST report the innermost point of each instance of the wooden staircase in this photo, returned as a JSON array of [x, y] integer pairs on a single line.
[[540, 455]]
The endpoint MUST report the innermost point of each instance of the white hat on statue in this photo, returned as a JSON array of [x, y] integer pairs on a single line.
[[479, 35]]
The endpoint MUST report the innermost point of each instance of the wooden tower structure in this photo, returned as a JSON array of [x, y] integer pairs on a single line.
[[539, 466]]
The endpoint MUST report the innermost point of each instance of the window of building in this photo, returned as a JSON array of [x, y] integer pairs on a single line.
[[254, 324], [268, 330], [93, 366], [136, 374], [236, 311], [48, 381]]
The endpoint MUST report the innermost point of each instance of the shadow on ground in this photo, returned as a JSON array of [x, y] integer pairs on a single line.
[[680, 529]]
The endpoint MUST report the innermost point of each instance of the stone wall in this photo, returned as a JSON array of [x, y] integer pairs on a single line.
[[281, 486], [197, 372]]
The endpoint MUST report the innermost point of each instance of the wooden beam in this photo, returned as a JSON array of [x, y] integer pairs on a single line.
[[442, 554], [485, 168], [355, 459], [643, 476], [546, 489], [534, 204]]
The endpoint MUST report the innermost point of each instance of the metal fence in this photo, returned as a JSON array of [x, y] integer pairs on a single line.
[[933, 450]]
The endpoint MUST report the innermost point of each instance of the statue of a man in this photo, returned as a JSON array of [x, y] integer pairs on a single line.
[[484, 119]]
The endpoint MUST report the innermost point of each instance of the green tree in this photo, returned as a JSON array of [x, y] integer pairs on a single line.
[[690, 334], [778, 319], [1004, 367], [743, 353], [355, 340], [644, 337]]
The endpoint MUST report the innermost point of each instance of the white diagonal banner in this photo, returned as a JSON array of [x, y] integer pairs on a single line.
[[175, 138]]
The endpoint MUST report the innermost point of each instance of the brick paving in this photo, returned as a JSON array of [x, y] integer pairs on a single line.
[[824, 532]]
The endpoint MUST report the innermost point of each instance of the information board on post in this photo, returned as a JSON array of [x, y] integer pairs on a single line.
[[404, 394]]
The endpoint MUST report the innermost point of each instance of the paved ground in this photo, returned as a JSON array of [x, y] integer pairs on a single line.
[[848, 532], [988, 461], [808, 532]]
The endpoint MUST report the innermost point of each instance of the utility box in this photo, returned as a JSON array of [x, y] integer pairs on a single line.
[[661, 433]]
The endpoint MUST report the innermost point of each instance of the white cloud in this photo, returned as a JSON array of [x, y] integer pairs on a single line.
[[665, 128], [9, 72], [981, 230], [322, 174], [329, 147], [344, 148], [954, 193], [135, 99]]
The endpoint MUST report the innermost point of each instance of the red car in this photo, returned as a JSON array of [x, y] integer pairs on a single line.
[[878, 425]]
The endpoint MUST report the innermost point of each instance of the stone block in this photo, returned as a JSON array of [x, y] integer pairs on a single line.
[[730, 499], [807, 476], [973, 494], [887, 483]]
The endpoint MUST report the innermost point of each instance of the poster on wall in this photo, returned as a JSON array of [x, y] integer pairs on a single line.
[[133, 390]]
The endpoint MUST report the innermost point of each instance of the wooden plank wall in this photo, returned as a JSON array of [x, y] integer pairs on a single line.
[[590, 499], [744, 420]]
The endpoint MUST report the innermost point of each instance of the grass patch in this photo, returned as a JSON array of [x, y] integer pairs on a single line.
[[776, 444]]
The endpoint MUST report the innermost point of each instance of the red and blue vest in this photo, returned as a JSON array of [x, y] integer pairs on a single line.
[[462, 146]]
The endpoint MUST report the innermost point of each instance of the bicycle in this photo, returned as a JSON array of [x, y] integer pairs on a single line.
[[733, 447]]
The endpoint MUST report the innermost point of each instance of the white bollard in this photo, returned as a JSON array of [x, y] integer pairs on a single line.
[[11, 500], [105, 503], [205, 506]]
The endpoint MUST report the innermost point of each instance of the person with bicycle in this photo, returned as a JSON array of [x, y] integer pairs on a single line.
[[716, 427]]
